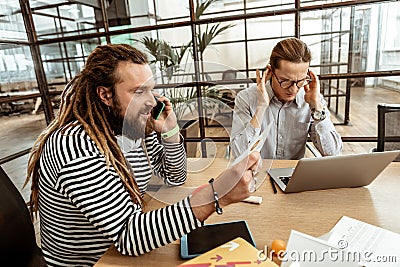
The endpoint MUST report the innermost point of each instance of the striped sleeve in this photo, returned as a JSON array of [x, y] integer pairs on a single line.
[[168, 160], [157, 228], [102, 198]]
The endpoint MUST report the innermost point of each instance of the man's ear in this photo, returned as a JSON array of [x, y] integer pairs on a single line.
[[105, 95]]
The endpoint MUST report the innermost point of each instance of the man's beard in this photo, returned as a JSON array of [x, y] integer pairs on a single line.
[[128, 125]]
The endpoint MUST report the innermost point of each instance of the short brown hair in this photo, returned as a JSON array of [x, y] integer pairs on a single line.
[[290, 49]]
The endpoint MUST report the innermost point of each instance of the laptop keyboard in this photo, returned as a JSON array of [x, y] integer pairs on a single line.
[[285, 179]]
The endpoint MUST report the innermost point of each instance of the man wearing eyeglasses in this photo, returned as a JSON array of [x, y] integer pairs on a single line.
[[288, 97]]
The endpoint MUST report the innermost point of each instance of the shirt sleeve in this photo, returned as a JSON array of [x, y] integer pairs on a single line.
[[243, 131], [102, 198], [168, 160], [325, 137]]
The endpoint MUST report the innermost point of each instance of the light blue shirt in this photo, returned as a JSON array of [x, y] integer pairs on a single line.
[[292, 123]]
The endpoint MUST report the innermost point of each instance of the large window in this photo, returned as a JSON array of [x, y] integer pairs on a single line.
[[355, 47]]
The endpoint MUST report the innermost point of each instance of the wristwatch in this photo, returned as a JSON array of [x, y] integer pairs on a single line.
[[318, 115]]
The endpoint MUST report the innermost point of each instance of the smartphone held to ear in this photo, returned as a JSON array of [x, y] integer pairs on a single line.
[[158, 109]]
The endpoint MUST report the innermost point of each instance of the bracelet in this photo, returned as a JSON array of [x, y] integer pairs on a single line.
[[218, 209], [171, 132]]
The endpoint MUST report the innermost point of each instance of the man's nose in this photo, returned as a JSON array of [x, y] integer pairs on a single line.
[[151, 100], [293, 89]]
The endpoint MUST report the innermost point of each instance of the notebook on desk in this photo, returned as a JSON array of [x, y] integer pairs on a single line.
[[332, 171]]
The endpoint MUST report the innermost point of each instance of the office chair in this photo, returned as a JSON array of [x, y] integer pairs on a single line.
[[17, 235], [388, 128], [229, 75], [227, 95]]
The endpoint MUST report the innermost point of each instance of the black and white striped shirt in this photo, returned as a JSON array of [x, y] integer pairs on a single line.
[[84, 206]]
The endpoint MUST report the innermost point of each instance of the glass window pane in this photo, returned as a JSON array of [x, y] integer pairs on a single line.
[[16, 66], [327, 34], [219, 9], [318, 2], [269, 5], [222, 32], [175, 43], [327, 20], [176, 36], [171, 11], [11, 22], [62, 61], [223, 54], [271, 27], [388, 50], [62, 18], [259, 53], [125, 14], [18, 127]]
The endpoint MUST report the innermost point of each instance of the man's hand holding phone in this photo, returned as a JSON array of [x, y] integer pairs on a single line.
[[158, 109], [165, 121]]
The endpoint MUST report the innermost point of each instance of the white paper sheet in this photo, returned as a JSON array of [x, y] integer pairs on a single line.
[[307, 251], [375, 246], [255, 145]]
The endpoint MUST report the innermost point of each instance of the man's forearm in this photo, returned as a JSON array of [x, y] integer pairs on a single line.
[[326, 139]]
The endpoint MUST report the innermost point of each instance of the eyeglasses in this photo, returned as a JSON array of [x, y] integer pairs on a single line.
[[286, 84]]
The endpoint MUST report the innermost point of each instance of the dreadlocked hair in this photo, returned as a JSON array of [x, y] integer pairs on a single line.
[[80, 102]]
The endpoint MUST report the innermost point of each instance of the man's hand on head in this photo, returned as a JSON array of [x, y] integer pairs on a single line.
[[312, 93], [262, 95]]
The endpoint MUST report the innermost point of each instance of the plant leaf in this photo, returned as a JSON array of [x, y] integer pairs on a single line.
[[202, 7], [209, 34]]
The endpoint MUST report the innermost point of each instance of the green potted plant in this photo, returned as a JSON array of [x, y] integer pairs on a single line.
[[164, 55], [169, 60]]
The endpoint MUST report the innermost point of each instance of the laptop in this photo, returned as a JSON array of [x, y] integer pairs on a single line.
[[332, 171]]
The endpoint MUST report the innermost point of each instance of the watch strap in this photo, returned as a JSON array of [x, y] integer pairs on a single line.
[[170, 133]]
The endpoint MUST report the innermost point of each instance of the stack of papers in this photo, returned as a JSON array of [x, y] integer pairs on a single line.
[[350, 243]]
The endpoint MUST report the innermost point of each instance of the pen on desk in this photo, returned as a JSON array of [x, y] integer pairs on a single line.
[[273, 184]]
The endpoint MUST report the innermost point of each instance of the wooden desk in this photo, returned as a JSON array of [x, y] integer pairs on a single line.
[[313, 212]]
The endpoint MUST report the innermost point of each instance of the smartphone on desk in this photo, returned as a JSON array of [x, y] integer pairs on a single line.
[[211, 236], [158, 109]]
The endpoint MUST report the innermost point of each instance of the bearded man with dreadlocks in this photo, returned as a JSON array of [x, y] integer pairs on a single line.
[[88, 173]]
